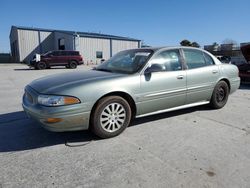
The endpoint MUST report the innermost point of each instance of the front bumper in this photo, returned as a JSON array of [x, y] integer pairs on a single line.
[[73, 117], [32, 63]]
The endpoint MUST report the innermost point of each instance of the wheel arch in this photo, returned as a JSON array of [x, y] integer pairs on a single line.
[[227, 81], [122, 94], [74, 60]]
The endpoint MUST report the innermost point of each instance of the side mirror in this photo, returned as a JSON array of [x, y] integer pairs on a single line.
[[155, 68]]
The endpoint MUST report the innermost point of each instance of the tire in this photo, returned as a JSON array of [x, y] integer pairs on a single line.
[[67, 66], [220, 95], [73, 64], [41, 65], [105, 121]]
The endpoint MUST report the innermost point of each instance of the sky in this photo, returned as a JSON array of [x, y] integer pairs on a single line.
[[156, 22]]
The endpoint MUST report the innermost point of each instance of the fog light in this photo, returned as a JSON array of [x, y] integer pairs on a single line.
[[53, 120]]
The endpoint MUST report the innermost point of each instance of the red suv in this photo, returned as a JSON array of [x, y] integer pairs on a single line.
[[69, 59]]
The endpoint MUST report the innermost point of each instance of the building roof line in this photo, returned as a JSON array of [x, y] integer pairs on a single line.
[[82, 34]]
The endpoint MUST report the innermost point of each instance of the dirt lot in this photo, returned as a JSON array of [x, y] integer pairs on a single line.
[[196, 147]]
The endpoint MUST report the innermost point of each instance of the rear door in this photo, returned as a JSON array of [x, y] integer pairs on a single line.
[[202, 75], [54, 59]]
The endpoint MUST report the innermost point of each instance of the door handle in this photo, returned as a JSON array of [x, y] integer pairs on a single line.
[[180, 77], [214, 71]]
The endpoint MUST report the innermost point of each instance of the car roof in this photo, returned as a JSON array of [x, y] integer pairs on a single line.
[[171, 47], [64, 51]]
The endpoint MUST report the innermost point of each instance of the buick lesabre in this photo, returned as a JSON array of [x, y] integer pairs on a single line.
[[132, 83]]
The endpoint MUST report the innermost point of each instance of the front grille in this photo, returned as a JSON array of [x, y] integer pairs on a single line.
[[29, 97]]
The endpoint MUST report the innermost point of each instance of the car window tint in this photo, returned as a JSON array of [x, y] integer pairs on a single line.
[[208, 59], [169, 60], [75, 53], [69, 53], [194, 58], [56, 53]]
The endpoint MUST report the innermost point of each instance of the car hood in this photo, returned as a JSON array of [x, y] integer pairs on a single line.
[[46, 84]]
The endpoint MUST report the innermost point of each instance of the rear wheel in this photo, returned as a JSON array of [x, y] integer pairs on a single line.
[[41, 65], [111, 117], [73, 64], [220, 95]]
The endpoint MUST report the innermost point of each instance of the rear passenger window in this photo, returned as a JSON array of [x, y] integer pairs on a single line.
[[194, 58], [69, 53], [56, 53], [75, 53], [208, 59]]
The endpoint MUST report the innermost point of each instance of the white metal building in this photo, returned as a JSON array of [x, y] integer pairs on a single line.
[[25, 42]]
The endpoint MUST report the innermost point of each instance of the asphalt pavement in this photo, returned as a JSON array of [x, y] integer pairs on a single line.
[[196, 147]]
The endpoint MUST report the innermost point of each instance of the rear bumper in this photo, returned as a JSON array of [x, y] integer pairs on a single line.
[[80, 62], [234, 84]]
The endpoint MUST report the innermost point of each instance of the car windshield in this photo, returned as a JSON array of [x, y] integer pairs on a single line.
[[47, 53], [128, 62]]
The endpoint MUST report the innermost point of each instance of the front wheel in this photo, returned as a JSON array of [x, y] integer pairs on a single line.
[[220, 95], [111, 117]]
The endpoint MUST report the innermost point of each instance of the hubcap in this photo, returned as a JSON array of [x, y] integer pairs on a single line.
[[220, 94], [42, 65], [73, 65], [113, 117]]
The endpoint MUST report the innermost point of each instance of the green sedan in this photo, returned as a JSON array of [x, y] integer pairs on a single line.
[[133, 83]]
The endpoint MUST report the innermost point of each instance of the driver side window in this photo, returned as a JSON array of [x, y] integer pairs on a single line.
[[169, 60]]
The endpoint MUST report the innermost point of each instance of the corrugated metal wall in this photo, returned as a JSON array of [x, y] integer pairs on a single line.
[[29, 40], [29, 43], [68, 40], [47, 43], [89, 46], [13, 34], [119, 45], [14, 44]]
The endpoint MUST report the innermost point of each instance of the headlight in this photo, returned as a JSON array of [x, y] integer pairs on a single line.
[[53, 100]]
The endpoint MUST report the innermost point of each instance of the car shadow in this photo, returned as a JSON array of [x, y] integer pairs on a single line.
[[19, 133], [140, 121]]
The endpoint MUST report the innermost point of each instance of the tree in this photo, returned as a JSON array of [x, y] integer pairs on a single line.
[[185, 42], [195, 44], [215, 44]]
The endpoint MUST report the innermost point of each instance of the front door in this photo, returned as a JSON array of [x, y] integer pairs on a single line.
[[165, 85]]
